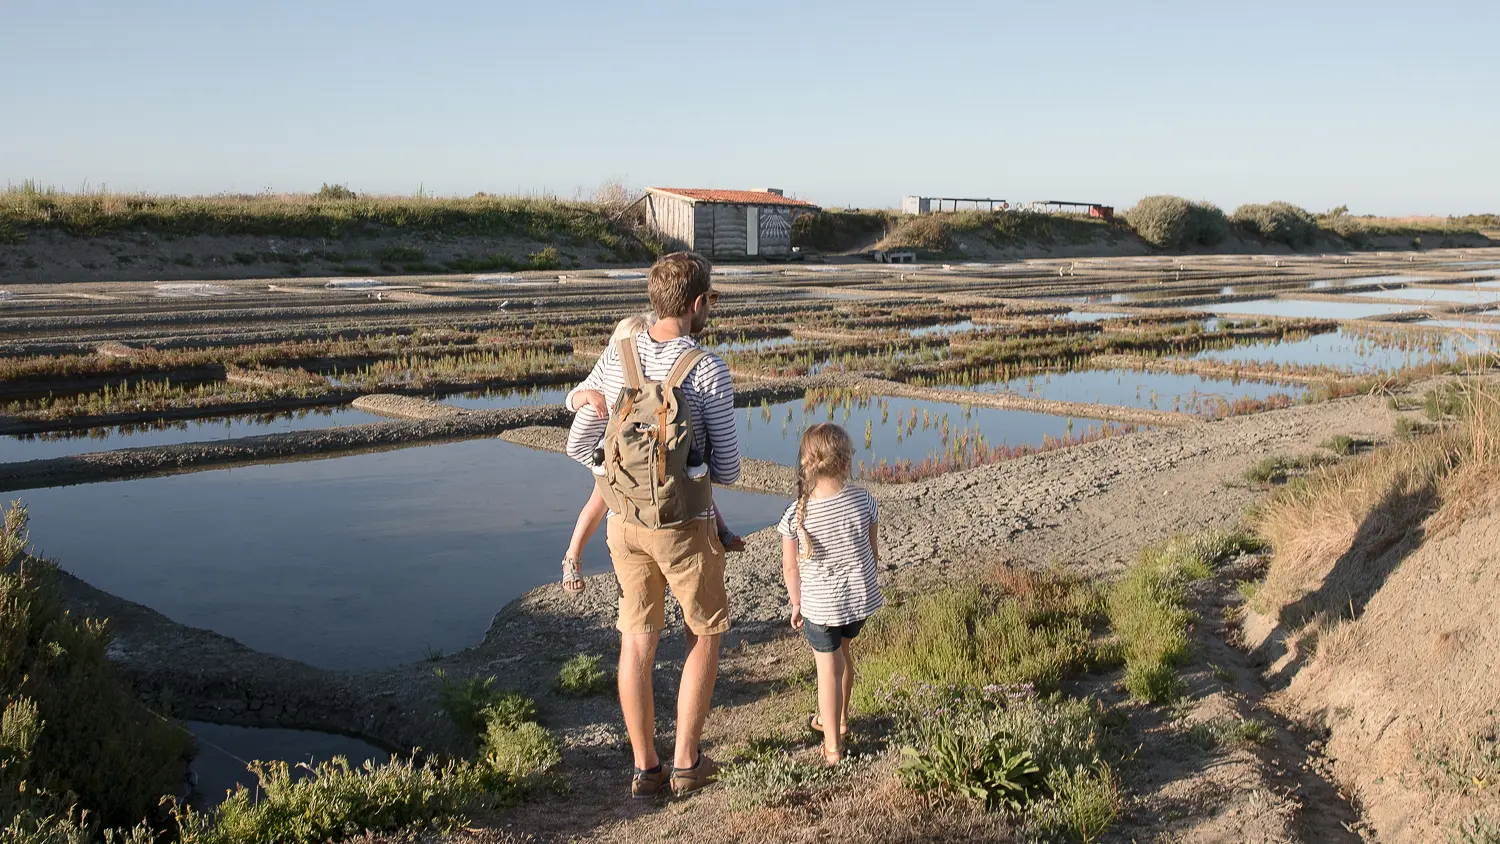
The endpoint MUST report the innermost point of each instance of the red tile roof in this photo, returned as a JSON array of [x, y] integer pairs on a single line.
[[740, 197]]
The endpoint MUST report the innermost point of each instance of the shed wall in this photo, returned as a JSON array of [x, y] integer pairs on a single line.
[[673, 218]]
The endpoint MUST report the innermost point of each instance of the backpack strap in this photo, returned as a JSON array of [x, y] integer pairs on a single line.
[[683, 367], [630, 364]]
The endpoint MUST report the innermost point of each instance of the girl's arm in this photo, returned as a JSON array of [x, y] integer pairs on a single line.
[[793, 578], [875, 542]]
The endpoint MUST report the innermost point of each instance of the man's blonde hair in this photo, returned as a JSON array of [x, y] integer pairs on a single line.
[[676, 281], [630, 326]]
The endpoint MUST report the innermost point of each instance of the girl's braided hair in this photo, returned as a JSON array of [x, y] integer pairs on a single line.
[[826, 452]]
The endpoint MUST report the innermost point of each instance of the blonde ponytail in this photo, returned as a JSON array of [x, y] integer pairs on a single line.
[[826, 451]]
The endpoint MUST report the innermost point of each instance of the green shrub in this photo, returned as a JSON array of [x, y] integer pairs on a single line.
[[72, 733], [1085, 801], [838, 231], [522, 751], [1278, 468], [1230, 732], [473, 704], [336, 801], [1342, 444], [1148, 610], [328, 191], [975, 637], [1039, 758], [582, 676], [766, 775], [1280, 222], [1172, 222]]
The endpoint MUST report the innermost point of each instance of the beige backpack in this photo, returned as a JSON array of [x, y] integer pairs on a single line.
[[645, 477]]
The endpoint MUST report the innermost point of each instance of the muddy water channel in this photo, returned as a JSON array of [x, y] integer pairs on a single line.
[[891, 429], [504, 399], [1148, 390], [14, 449], [348, 563]]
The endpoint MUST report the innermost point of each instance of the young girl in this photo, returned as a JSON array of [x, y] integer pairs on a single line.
[[829, 557], [595, 510]]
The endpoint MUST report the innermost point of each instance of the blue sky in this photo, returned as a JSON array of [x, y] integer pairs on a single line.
[[1387, 107]]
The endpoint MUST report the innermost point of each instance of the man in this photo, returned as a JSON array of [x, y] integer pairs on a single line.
[[688, 558]]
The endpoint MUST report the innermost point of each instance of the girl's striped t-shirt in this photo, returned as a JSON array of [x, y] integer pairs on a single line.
[[839, 585]]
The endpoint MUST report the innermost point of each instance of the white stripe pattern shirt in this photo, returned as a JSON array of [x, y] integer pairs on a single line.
[[839, 585], [708, 389]]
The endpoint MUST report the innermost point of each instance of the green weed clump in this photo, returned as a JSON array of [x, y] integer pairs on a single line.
[[1222, 733], [1042, 760], [473, 704], [1278, 468], [1148, 607], [582, 676], [765, 775], [336, 801], [1038, 631], [1280, 222], [73, 737], [1172, 222]]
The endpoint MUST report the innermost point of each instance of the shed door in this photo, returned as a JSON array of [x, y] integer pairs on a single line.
[[752, 231]]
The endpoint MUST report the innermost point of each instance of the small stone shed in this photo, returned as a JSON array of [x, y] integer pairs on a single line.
[[726, 223]]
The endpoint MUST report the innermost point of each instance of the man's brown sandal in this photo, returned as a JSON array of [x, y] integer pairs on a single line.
[[647, 784], [685, 781], [572, 582]]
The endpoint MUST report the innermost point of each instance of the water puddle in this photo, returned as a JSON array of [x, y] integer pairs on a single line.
[[506, 399], [1308, 309], [183, 291], [351, 562], [1169, 391], [1086, 316], [891, 429], [943, 329], [750, 345], [1342, 351], [219, 769], [1430, 295], [14, 449], [1464, 325]]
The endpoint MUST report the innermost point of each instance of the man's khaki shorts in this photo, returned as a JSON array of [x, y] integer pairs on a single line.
[[689, 559]]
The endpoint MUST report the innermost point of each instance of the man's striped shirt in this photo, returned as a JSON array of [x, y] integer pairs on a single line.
[[708, 390]]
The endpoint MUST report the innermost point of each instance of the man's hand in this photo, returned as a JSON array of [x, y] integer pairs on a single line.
[[594, 399], [796, 616]]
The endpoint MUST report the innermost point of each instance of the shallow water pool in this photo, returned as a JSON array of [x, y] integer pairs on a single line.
[[1307, 308], [67, 443], [349, 562], [1431, 295], [509, 398], [1341, 350], [898, 428], [223, 751], [1168, 391]]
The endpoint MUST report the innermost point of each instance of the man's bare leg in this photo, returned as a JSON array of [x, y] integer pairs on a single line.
[[700, 669], [637, 658]]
